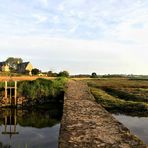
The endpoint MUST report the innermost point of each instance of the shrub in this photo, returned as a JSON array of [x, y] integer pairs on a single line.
[[42, 90], [94, 75], [63, 74], [35, 71]]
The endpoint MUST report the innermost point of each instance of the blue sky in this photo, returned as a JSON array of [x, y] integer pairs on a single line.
[[81, 36]]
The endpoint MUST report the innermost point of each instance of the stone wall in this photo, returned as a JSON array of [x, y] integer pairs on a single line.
[[5, 101], [85, 124]]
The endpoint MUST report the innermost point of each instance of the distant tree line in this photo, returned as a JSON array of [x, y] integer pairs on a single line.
[[64, 73]]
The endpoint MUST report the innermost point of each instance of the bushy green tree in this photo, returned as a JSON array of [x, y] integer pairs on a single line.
[[12, 62], [63, 74], [35, 71], [51, 74], [94, 75]]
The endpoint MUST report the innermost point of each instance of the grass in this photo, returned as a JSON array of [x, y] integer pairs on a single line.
[[118, 83], [125, 94], [39, 91], [42, 90], [121, 95]]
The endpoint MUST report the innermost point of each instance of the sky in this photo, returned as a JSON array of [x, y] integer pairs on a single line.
[[80, 36]]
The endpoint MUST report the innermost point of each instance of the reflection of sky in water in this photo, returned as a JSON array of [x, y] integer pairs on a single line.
[[137, 125], [32, 137]]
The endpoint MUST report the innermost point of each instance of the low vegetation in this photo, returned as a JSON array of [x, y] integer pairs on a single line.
[[42, 90], [38, 92], [125, 94], [121, 95]]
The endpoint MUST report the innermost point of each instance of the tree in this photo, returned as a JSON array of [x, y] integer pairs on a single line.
[[35, 71], [63, 74], [94, 75], [13, 62], [51, 74]]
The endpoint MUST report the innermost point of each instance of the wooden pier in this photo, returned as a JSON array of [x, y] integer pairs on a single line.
[[10, 93]]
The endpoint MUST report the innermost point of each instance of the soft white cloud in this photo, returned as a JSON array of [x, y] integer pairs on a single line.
[[133, 28], [40, 18], [84, 55], [44, 2], [79, 35], [56, 19]]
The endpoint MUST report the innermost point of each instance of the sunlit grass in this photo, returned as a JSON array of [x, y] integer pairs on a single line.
[[112, 103], [121, 95]]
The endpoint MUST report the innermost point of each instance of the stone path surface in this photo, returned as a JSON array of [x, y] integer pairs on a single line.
[[85, 124]]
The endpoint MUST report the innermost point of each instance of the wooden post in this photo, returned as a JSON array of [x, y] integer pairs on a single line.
[[12, 85], [6, 89], [15, 93], [10, 96]]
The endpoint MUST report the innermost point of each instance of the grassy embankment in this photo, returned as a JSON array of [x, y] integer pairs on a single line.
[[43, 102], [40, 91], [121, 95]]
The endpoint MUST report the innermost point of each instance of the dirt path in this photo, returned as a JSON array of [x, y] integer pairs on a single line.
[[85, 124], [21, 78]]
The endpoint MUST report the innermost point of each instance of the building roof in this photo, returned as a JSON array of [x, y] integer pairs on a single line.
[[23, 65], [2, 63]]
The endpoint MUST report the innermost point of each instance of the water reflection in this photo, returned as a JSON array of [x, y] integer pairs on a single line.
[[10, 119], [137, 125], [30, 128]]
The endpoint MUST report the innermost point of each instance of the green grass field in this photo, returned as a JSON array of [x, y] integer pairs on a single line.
[[121, 95]]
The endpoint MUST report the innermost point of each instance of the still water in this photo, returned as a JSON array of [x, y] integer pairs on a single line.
[[137, 125], [29, 129]]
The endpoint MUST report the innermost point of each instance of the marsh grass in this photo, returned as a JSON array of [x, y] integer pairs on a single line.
[[121, 95], [42, 90], [125, 95], [118, 83], [115, 104]]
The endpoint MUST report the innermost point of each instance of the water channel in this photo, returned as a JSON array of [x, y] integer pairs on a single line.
[[137, 125], [30, 128]]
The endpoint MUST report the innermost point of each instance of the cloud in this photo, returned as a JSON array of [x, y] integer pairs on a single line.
[[56, 19], [104, 18], [108, 36], [78, 55], [134, 29], [40, 18], [44, 2]]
